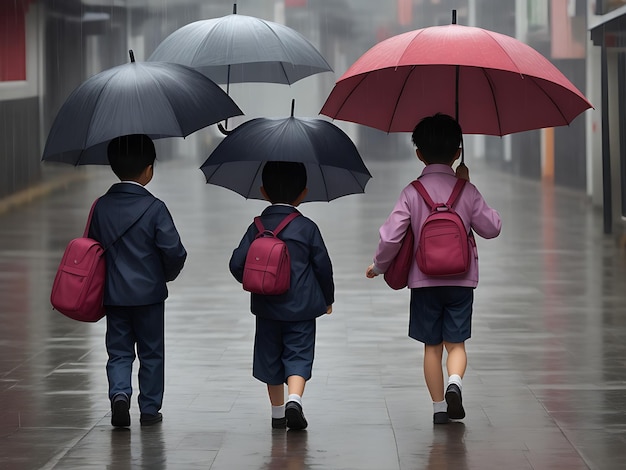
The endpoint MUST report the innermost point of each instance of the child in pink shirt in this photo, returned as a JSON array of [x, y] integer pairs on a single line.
[[441, 307]]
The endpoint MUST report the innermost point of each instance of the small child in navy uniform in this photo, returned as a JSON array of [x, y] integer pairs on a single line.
[[139, 264], [284, 341]]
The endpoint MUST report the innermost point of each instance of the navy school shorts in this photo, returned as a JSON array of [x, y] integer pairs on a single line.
[[442, 313], [282, 349]]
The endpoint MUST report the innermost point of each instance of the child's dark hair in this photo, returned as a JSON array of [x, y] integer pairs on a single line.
[[438, 138], [129, 155], [284, 181]]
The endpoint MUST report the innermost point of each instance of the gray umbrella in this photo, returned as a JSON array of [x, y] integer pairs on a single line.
[[240, 49], [334, 166], [157, 99]]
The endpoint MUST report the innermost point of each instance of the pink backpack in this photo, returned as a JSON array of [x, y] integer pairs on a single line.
[[78, 287], [267, 270], [443, 248]]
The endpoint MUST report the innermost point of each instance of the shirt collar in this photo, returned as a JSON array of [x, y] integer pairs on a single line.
[[438, 168], [132, 182]]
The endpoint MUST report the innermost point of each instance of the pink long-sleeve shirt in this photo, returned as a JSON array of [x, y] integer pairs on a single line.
[[411, 208]]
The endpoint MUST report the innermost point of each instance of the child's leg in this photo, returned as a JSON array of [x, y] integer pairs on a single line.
[[457, 359], [277, 399], [276, 394], [149, 329], [456, 365], [433, 371], [295, 385]]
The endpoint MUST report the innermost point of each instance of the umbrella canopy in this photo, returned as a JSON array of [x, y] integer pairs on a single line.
[[157, 99], [493, 83], [238, 48], [334, 166]]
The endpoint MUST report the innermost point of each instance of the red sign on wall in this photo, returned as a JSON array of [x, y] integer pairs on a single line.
[[295, 3], [13, 41]]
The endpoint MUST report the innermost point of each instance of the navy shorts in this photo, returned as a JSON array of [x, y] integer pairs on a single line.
[[440, 314], [282, 349]]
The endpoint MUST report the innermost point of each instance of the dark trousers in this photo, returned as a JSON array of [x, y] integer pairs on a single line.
[[143, 326]]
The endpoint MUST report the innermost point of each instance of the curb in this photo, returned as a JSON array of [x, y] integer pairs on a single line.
[[32, 193]]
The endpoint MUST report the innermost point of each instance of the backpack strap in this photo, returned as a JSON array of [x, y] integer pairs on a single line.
[[131, 225], [279, 227], [458, 187], [422, 190], [93, 206]]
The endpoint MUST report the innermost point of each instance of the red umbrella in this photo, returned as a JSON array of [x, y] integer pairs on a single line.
[[494, 84]]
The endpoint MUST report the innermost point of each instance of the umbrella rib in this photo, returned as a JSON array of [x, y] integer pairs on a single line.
[[96, 101], [395, 108], [534, 82], [282, 67], [362, 77], [493, 97], [505, 53], [158, 84], [256, 173]]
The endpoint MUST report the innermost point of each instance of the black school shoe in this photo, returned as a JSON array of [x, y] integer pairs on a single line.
[[295, 416], [120, 417], [279, 423], [149, 420], [455, 402], [441, 417]]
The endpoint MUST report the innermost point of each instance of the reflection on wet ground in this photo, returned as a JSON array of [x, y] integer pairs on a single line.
[[545, 386]]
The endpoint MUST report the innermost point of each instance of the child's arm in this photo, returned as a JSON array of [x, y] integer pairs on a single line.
[[322, 267], [370, 272], [238, 258], [486, 221], [167, 239]]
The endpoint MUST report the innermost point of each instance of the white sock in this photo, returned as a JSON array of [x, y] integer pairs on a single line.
[[278, 411], [296, 398], [440, 406], [456, 380]]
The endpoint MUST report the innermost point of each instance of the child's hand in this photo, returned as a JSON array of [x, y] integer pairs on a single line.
[[329, 310], [370, 273], [462, 172]]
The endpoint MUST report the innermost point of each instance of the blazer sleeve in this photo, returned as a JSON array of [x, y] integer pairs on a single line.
[[238, 258], [167, 240], [322, 266]]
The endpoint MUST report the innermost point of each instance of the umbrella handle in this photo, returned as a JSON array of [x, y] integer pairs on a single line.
[[222, 129]]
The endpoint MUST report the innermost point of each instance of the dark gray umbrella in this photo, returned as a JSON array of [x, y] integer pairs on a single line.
[[238, 48], [334, 166], [157, 99]]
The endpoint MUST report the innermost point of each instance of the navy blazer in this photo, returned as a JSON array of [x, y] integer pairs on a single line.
[[312, 287], [139, 264]]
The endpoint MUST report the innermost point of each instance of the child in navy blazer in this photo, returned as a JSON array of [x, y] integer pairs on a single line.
[[148, 254], [284, 341]]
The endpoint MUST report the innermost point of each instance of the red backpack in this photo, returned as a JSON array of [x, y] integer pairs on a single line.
[[443, 248], [78, 287], [267, 270]]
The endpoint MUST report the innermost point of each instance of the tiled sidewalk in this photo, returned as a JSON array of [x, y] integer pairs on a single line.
[[545, 387]]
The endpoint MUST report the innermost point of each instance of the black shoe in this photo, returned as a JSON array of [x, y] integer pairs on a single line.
[[149, 420], [295, 416], [279, 423], [455, 402], [120, 417], [441, 417]]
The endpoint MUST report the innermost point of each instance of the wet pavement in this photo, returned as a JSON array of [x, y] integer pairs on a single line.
[[545, 386]]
